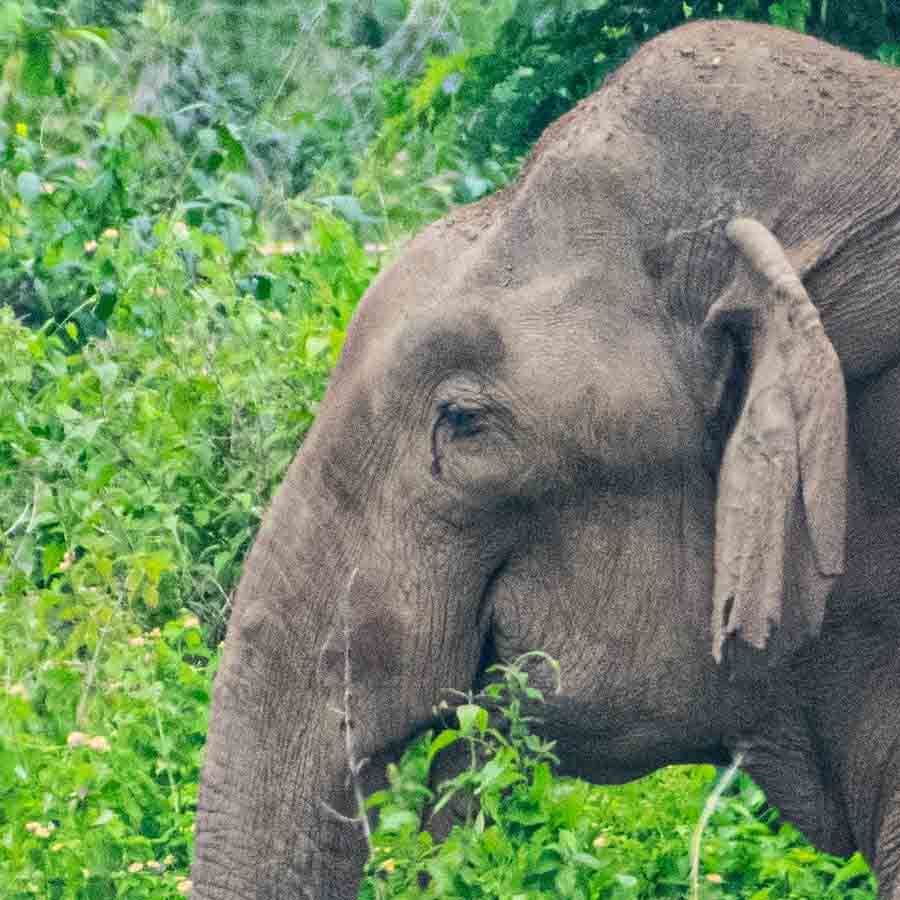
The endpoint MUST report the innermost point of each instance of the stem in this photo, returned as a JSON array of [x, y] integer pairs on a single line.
[[31, 521], [355, 764], [89, 680], [712, 801], [176, 801]]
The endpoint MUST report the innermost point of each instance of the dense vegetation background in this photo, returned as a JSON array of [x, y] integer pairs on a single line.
[[193, 196]]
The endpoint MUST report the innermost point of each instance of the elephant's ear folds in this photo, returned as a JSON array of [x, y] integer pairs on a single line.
[[781, 506]]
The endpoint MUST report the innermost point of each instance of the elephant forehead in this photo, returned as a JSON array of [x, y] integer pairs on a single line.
[[425, 351]]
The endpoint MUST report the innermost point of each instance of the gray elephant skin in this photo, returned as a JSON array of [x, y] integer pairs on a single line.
[[639, 411]]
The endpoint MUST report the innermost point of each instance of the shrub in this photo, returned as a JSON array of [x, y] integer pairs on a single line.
[[529, 834]]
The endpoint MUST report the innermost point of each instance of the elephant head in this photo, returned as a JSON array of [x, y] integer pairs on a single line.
[[596, 415]]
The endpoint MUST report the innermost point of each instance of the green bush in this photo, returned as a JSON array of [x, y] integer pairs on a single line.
[[135, 468], [528, 835]]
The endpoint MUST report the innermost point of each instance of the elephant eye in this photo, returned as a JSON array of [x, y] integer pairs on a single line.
[[461, 422], [453, 422]]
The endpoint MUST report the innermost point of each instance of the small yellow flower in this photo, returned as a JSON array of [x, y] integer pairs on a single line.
[[136, 867], [136, 641], [714, 878], [168, 859], [39, 830], [600, 841], [110, 233], [154, 866], [184, 886], [99, 743], [158, 292], [21, 129], [154, 633], [32, 827], [17, 690], [90, 247], [389, 866], [67, 560], [180, 229], [48, 187], [56, 846], [191, 622], [77, 739]]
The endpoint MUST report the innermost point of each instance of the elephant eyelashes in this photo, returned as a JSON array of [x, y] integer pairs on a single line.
[[453, 422]]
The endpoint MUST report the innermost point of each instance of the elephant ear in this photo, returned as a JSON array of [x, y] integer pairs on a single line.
[[781, 504]]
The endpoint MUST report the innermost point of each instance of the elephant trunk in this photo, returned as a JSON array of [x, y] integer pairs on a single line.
[[276, 810], [274, 807]]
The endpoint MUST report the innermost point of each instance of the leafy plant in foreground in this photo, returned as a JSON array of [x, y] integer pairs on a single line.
[[523, 833]]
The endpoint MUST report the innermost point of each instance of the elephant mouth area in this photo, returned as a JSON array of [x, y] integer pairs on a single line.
[[485, 613]]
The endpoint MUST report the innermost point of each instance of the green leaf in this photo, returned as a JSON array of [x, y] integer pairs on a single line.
[[471, 718], [790, 14], [379, 798], [117, 118], [447, 737], [152, 126], [37, 66], [96, 37], [316, 345], [51, 556], [397, 820], [348, 207], [11, 17], [106, 301], [235, 156], [29, 186], [889, 53], [586, 860], [856, 867]]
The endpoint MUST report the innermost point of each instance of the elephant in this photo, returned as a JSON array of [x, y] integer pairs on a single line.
[[638, 410]]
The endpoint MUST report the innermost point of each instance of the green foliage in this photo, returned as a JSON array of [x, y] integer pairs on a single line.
[[533, 59], [134, 469], [162, 358], [528, 834], [177, 425], [100, 746]]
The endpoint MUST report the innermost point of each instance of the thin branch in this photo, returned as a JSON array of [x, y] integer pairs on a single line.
[[26, 509], [712, 801], [340, 817], [30, 527], [81, 709], [349, 738], [306, 29]]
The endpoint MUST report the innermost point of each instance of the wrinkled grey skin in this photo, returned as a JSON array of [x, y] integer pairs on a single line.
[[597, 415]]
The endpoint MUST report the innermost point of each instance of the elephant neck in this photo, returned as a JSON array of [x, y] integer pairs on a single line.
[[784, 754]]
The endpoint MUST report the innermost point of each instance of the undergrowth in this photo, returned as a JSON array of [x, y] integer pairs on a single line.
[[526, 834]]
